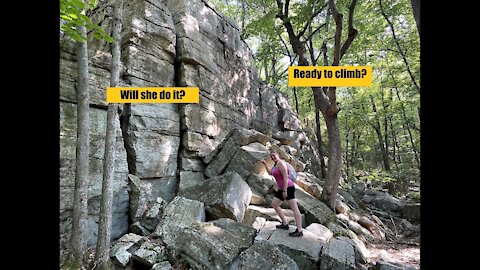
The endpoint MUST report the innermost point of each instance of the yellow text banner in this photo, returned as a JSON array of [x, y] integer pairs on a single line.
[[153, 94], [329, 76]]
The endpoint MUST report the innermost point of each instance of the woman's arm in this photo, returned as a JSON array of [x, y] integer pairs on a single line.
[[269, 170]]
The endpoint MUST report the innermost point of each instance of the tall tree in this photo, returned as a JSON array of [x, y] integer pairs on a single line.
[[102, 252], [407, 128], [325, 99], [378, 131], [74, 24], [80, 197]]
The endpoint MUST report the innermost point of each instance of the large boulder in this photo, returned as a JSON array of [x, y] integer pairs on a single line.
[[120, 251], [338, 254], [411, 212], [219, 159], [305, 250], [315, 210], [213, 245], [383, 200], [150, 253], [261, 185], [179, 213], [247, 160], [143, 195], [227, 195], [262, 255]]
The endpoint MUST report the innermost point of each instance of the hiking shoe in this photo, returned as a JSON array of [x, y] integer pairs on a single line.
[[296, 233], [283, 226]]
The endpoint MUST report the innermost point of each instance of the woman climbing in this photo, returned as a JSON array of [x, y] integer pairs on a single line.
[[286, 191]]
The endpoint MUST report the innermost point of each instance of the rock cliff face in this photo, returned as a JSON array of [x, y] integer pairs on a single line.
[[167, 43]]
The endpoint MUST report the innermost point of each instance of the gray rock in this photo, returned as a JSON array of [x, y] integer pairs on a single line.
[[191, 164], [303, 250], [309, 185], [190, 179], [179, 213], [227, 195], [260, 186], [383, 200], [247, 160], [288, 119], [230, 145], [144, 194], [405, 225], [348, 198], [286, 137], [162, 266], [321, 231], [338, 254], [315, 210], [162, 118], [264, 228], [361, 252], [261, 256], [137, 228], [411, 212], [150, 253], [120, 252], [214, 245], [152, 217], [269, 214], [156, 154], [382, 265]]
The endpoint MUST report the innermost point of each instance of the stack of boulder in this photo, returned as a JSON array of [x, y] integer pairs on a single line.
[[226, 221]]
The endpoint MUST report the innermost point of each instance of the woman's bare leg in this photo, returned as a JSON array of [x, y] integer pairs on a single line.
[[296, 212], [276, 205]]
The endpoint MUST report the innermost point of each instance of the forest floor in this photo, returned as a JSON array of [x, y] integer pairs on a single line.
[[405, 252]]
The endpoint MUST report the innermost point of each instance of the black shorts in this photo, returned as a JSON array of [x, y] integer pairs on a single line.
[[290, 194]]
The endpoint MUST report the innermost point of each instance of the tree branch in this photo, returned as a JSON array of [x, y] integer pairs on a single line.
[[352, 32], [297, 46], [399, 48], [338, 18], [314, 32], [309, 22]]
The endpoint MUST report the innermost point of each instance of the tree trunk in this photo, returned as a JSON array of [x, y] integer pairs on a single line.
[[376, 127], [330, 187], [325, 101], [102, 253], [347, 137], [296, 99], [80, 198], [385, 105], [319, 144], [416, 13], [394, 147], [414, 149]]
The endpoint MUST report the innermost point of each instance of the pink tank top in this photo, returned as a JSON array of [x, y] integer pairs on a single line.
[[279, 178]]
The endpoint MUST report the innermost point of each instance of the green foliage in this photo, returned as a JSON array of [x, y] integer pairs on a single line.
[[414, 195], [72, 15], [396, 99], [376, 176]]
